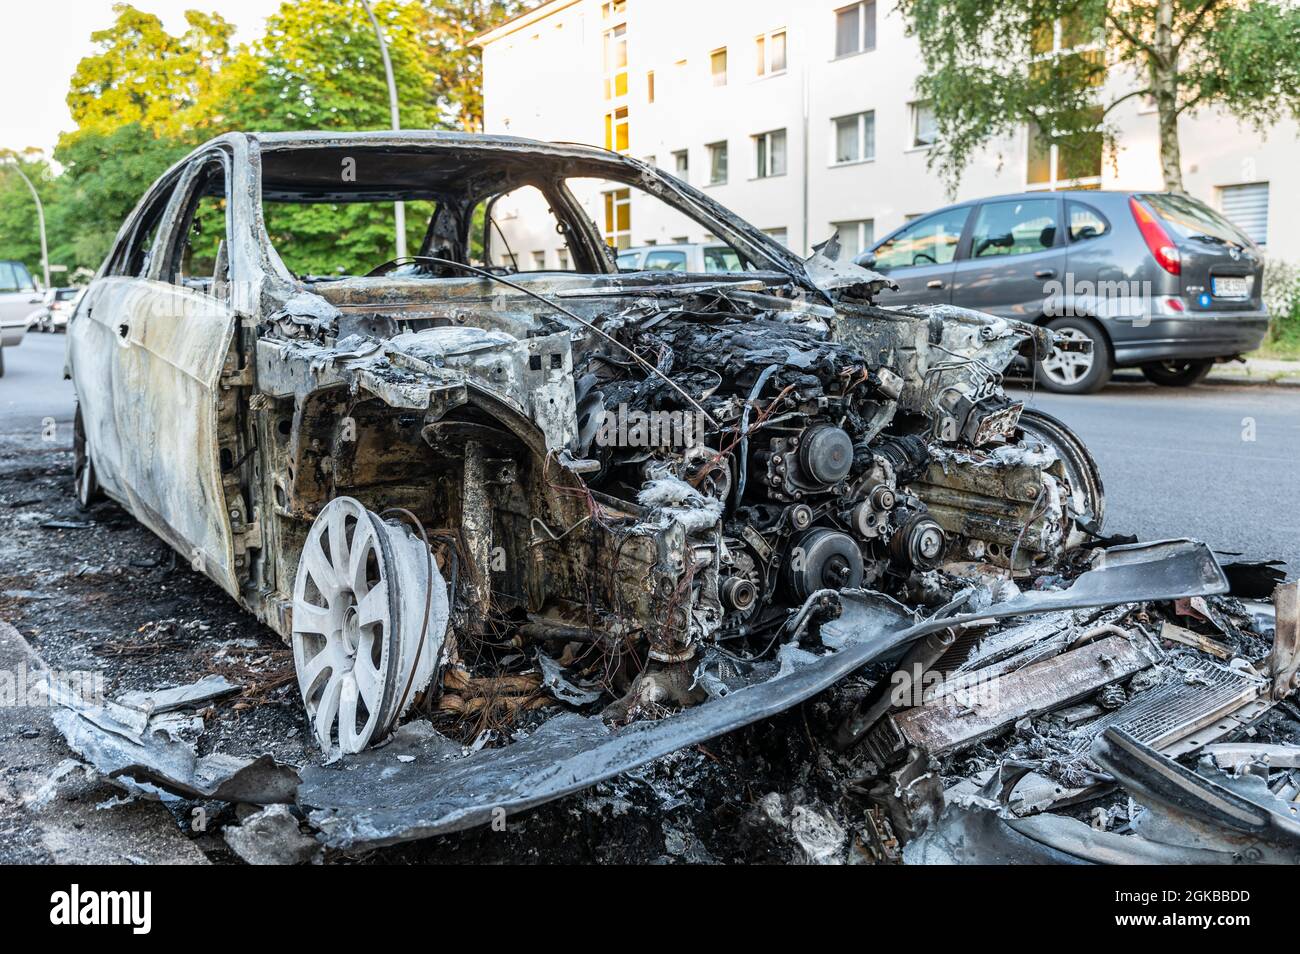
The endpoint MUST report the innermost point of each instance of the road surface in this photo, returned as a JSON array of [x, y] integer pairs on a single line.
[[1220, 463], [1217, 462]]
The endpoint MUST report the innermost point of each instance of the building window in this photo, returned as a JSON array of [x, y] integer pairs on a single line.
[[539, 261], [856, 235], [616, 62], [618, 218], [780, 235], [855, 28], [614, 10], [923, 129], [717, 162], [616, 132], [563, 256], [682, 164], [1246, 206], [1052, 166], [718, 66], [855, 137], [650, 87], [769, 154], [770, 52]]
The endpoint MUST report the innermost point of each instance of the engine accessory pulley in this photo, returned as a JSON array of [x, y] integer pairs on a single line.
[[826, 454], [918, 541], [824, 559]]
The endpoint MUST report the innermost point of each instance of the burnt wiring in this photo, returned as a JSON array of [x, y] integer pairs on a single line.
[[644, 364]]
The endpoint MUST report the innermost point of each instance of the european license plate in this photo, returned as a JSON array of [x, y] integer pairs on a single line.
[[1230, 288]]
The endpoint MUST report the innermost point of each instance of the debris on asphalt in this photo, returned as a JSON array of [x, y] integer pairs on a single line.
[[272, 836]]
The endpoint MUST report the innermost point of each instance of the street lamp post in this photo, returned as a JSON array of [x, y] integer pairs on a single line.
[[40, 219], [399, 208]]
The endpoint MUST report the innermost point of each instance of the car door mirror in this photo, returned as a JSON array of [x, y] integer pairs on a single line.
[[866, 260]]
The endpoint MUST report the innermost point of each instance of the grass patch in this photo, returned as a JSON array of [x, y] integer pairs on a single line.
[[1283, 339]]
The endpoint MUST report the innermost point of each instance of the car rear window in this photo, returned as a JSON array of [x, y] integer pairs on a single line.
[[1191, 219], [720, 258]]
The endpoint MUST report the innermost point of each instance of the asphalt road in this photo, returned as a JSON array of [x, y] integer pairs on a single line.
[[1176, 462], [33, 388], [1217, 462]]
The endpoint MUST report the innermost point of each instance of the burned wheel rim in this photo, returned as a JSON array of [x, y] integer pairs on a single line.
[[358, 615], [1068, 367]]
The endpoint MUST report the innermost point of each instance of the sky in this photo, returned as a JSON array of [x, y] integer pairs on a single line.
[[43, 40]]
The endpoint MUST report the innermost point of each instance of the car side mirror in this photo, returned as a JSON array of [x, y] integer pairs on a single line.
[[866, 260]]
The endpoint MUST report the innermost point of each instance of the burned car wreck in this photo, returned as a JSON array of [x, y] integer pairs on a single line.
[[534, 529]]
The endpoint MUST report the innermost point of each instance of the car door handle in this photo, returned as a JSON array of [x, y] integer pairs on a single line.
[[934, 283], [1045, 273]]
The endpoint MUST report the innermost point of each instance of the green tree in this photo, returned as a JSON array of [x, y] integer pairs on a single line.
[[141, 74], [318, 67], [1064, 65], [20, 236], [104, 175]]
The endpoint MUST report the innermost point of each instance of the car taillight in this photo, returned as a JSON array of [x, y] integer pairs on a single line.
[[1162, 247]]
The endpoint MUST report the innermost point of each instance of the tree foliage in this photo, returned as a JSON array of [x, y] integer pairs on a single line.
[[19, 233], [1065, 65], [140, 74], [145, 97]]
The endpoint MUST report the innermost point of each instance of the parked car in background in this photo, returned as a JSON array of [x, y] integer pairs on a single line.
[[687, 257], [19, 300], [1156, 281], [59, 305]]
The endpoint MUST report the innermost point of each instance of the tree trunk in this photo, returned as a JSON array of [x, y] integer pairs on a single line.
[[1164, 85]]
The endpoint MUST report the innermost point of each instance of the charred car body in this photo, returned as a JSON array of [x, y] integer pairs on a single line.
[[680, 500]]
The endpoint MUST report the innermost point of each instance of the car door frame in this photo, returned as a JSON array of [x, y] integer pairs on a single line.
[[92, 339], [943, 293], [174, 344], [1059, 244]]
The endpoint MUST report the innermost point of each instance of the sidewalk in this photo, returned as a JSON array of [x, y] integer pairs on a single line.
[[1257, 371]]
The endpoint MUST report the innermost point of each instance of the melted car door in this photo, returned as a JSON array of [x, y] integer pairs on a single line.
[[173, 341]]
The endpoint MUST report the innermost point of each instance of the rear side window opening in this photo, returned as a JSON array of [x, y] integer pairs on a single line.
[[1085, 222], [1190, 220]]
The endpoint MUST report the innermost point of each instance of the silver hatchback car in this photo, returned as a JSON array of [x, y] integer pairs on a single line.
[[1153, 280]]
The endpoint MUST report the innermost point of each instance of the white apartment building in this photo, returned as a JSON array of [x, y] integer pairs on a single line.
[[802, 116]]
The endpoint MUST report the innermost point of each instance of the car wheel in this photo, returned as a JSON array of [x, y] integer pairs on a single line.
[[83, 471], [1073, 372], [1177, 374]]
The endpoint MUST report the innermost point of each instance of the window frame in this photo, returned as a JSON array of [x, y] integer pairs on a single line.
[[710, 148], [763, 49], [165, 267], [966, 247], [861, 47], [863, 244], [861, 138], [762, 144], [961, 247], [914, 108], [682, 164], [1069, 228], [713, 72], [1054, 181]]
